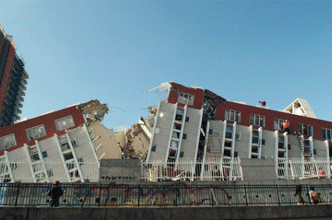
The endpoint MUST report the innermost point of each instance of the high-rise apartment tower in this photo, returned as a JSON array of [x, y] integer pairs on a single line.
[[13, 81]]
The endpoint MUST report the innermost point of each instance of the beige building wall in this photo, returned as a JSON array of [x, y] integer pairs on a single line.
[[104, 141], [162, 129], [192, 131]]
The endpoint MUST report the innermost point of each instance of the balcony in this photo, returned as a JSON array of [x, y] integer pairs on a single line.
[[65, 147], [255, 140], [229, 135], [281, 145]]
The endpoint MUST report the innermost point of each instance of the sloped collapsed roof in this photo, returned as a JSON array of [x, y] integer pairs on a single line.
[[301, 107]]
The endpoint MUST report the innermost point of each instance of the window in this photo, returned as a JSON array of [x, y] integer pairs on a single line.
[[257, 120], [80, 161], [229, 131], [74, 143], [181, 153], [289, 147], [184, 136], [153, 148], [255, 137], [50, 173], [278, 124], [44, 154], [35, 132], [210, 131], [70, 166], [263, 141], [7, 141], [187, 119], [64, 123], [232, 115], [185, 98], [326, 133], [33, 151], [305, 129]]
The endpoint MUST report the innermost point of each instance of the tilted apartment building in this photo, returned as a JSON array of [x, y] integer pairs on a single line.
[[64, 145], [195, 124], [13, 81]]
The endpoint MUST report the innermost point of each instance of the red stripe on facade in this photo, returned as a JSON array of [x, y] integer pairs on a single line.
[[270, 115], [48, 121]]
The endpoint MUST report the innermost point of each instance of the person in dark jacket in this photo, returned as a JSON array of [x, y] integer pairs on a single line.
[[300, 200], [55, 194]]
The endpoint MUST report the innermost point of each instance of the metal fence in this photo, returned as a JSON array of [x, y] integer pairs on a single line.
[[222, 170], [299, 168], [177, 194]]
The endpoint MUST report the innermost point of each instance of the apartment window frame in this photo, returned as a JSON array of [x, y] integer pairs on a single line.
[[64, 123], [8, 141], [35, 132], [278, 125], [257, 120], [186, 98], [233, 115], [327, 133], [309, 132], [44, 154]]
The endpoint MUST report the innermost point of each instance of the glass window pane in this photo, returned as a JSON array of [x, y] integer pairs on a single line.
[[41, 130], [64, 124], [70, 121], [328, 134], [232, 116], [229, 128], [227, 115], [238, 117], [262, 121], [323, 133], [310, 133], [300, 128], [256, 120], [251, 120], [30, 134]]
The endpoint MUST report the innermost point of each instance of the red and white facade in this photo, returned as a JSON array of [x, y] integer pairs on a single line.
[[195, 124], [54, 146]]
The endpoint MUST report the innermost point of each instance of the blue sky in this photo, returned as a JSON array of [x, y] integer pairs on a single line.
[[245, 51]]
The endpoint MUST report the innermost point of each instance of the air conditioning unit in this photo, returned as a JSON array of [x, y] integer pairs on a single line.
[[74, 143]]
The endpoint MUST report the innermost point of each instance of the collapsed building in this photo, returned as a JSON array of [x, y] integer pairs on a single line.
[[197, 132], [64, 145], [135, 141]]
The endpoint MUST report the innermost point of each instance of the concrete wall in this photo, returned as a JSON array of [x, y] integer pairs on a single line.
[[118, 170], [181, 213]]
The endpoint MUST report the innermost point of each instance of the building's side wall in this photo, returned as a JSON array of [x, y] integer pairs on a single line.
[[106, 138], [162, 134], [191, 129]]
